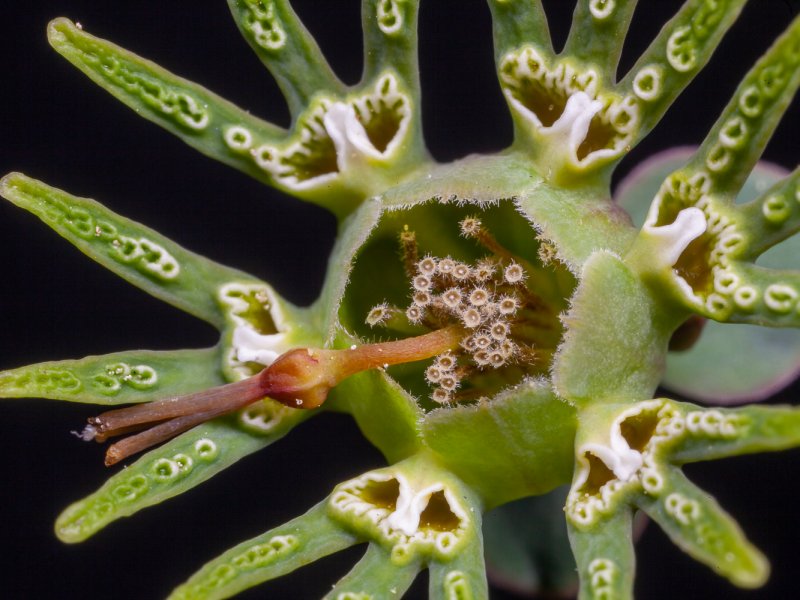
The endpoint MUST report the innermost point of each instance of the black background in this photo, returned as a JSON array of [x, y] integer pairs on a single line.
[[57, 126]]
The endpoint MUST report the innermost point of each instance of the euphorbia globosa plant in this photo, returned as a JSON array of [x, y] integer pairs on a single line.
[[497, 326]]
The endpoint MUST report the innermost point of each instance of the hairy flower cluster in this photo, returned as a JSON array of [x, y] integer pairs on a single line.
[[487, 300]]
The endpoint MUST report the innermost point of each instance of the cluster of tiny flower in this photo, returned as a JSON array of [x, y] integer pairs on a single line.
[[482, 299]]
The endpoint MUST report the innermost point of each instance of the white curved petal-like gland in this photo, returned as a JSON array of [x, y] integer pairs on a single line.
[[704, 269], [566, 110], [259, 326], [335, 138], [386, 507], [630, 460]]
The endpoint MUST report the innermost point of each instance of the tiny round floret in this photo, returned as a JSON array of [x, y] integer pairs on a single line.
[[478, 297], [470, 226], [471, 318], [508, 305], [414, 313], [378, 315], [462, 271], [483, 271], [427, 266], [441, 396], [448, 383], [422, 283], [514, 273], [433, 374], [446, 266], [422, 299], [446, 362], [499, 330], [452, 297]]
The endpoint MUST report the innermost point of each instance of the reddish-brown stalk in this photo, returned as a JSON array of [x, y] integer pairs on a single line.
[[299, 378]]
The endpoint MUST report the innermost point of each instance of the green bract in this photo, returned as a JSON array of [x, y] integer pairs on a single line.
[[560, 303]]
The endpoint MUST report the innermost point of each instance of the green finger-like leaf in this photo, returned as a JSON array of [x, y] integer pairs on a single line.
[[518, 444], [463, 577], [527, 548], [375, 576], [119, 378], [720, 433], [605, 557], [697, 524], [775, 299], [598, 33], [200, 118], [772, 217], [287, 49], [735, 143], [272, 554], [519, 23], [178, 466], [678, 53], [136, 253], [390, 40]]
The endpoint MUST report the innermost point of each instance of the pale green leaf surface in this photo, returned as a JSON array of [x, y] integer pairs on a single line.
[[518, 444], [616, 339]]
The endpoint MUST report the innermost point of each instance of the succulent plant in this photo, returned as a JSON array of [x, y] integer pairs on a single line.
[[496, 325]]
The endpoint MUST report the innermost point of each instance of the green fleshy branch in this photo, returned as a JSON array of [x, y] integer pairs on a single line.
[[519, 23], [605, 557], [135, 253], [752, 429], [678, 53], [118, 378], [598, 33], [176, 467], [288, 50], [463, 577], [737, 140], [697, 524], [390, 41], [272, 554], [772, 217], [375, 576], [775, 297]]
